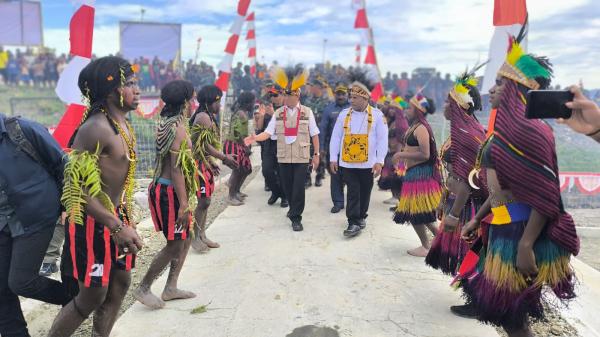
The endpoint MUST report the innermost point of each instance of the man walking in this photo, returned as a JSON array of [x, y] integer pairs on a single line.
[[360, 139], [328, 119], [294, 127]]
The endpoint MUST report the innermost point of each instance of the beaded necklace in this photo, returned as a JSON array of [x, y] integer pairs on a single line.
[[129, 186]]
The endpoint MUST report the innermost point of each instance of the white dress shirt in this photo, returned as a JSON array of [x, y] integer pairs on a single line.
[[292, 117], [378, 137]]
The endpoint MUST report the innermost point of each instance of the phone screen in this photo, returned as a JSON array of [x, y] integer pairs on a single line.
[[545, 104]]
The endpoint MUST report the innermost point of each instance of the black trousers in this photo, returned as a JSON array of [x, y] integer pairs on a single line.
[[360, 185], [336, 186], [270, 167], [20, 261], [292, 180]]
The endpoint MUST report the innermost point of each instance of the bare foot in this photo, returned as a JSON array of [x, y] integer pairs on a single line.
[[199, 245], [243, 195], [209, 243], [148, 299], [418, 252], [234, 202], [176, 294]]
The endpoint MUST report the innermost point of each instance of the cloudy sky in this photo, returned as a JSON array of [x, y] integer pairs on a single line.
[[446, 34]]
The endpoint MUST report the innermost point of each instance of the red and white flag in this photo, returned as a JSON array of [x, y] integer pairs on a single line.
[[509, 17], [362, 24], [251, 38], [81, 30], [236, 29], [357, 60]]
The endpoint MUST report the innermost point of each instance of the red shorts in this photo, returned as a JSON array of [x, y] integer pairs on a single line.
[[164, 207], [207, 182], [92, 253]]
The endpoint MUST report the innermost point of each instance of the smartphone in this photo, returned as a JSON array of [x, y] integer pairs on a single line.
[[545, 104]]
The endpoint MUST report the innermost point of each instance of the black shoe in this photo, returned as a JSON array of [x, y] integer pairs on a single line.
[[336, 209], [318, 182], [464, 311], [352, 231], [362, 223], [272, 200], [284, 203], [48, 269], [308, 183], [297, 226]]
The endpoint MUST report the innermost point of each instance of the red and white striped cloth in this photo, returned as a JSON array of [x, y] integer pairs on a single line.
[[362, 24], [81, 35], [509, 17], [251, 38], [236, 29], [357, 61]]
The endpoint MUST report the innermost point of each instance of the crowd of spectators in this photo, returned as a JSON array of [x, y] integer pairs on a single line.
[[26, 68]]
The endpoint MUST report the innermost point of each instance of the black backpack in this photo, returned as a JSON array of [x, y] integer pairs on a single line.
[[17, 137]]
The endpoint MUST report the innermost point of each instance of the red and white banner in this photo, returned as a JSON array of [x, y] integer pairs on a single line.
[[358, 54], [509, 17], [362, 24], [236, 29], [81, 29], [251, 38], [586, 182]]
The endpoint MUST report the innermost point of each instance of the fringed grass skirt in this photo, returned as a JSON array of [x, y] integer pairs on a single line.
[[502, 295], [419, 197], [240, 152], [448, 248]]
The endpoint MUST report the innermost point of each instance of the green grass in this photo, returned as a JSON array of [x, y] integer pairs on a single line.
[[39, 104]]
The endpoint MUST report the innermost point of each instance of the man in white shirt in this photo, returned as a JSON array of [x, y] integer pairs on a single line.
[[360, 142], [293, 126]]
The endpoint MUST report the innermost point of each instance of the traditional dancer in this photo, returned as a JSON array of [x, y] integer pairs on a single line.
[[421, 185], [270, 166], [100, 240], [234, 145], [391, 175], [459, 202], [172, 193], [531, 238], [207, 146], [328, 119], [359, 142], [293, 127]]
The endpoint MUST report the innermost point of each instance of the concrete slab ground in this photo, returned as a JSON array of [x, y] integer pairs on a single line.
[[269, 281]]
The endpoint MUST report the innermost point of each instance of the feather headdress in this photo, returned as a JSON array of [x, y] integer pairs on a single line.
[[420, 102], [527, 69], [399, 103], [463, 84], [290, 79], [361, 84]]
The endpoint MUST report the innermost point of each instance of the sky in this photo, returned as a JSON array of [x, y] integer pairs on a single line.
[[446, 34]]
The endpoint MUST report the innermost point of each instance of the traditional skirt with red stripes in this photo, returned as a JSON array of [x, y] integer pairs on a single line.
[[240, 152], [164, 207], [207, 182], [90, 252]]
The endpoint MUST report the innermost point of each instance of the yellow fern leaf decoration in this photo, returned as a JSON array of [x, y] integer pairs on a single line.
[[300, 80], [187, 164]]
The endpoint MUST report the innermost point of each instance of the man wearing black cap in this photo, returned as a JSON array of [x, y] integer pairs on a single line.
[[317, 102], [330, 115]]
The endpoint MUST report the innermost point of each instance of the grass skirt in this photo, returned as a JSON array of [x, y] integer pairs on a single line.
[[501, 294], [419, 197]]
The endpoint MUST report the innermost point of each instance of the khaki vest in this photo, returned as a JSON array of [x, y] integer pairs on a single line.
[[299, 151]]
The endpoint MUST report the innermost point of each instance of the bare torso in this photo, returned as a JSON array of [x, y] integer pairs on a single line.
[[166, 164], [498, 196]]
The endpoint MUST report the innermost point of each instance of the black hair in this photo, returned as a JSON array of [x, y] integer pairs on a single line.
[[545, 63], [430, 110], [245, 102], [100, 78], [207, 95], [175, 94], [474, 93]]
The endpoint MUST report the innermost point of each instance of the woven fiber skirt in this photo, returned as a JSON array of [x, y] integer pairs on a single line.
[[419, 197]]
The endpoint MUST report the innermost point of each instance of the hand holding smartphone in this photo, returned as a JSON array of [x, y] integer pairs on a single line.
[[546, 104]]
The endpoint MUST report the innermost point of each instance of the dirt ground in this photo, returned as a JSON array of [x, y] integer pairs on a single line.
[[40, 319]]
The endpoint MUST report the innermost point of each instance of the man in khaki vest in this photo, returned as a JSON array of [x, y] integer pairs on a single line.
[[294, 127]]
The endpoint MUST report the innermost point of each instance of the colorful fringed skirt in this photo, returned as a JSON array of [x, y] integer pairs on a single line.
[[419, 196], [391, 175], [448, 248], [502, 295], [240, 152]]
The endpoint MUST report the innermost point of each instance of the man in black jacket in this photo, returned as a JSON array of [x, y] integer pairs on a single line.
[[30, 184]]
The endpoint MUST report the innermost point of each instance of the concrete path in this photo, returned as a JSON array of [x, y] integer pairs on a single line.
[[268, 281]]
